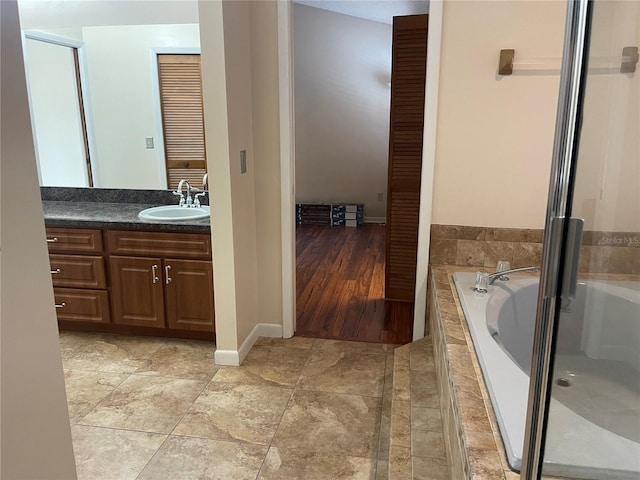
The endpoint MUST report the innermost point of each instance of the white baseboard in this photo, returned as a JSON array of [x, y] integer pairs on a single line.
[[273, 330], [235, 358], [226, 357], [374, 219]]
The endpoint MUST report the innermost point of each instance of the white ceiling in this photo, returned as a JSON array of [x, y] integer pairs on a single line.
[[377, 11]]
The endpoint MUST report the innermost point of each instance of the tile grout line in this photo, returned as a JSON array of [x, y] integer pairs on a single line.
[[384, 384], [153, 456]]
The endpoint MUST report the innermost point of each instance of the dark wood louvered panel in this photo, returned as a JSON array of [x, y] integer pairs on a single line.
[[193, 175], [405, 154], [182, 115]]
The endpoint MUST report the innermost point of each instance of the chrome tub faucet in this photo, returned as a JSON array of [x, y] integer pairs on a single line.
[[483, 279]]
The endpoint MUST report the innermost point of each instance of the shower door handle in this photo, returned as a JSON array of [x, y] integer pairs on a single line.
[[572, 257], [573, 243]]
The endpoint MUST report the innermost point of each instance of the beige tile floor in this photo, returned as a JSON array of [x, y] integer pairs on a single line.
[[148, 408]]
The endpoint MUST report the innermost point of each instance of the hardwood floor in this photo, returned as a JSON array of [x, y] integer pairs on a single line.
[[340, 286]]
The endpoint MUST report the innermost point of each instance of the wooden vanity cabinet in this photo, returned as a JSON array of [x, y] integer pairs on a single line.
[[156, 289], [78, 274], [133, 282]]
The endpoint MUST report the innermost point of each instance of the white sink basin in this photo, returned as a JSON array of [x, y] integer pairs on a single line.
[[174, 213]]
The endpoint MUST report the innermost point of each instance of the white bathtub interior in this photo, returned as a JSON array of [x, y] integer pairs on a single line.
[[600, 363]]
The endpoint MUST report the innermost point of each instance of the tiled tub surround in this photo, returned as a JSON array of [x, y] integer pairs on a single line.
[[581, 441], [416, 443], [474, 445], [602, 252]]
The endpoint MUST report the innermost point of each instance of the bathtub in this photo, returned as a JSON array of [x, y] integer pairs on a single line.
[[501, 323]]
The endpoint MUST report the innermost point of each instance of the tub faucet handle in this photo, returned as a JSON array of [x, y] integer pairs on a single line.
[[482, 283], [503, 266]]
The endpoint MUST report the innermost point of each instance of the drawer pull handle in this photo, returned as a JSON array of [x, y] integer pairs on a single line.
[[154, 273], [167, 280], [61, 305], [52, 240], [57, 270]]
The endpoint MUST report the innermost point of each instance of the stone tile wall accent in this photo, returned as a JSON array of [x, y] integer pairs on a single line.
[[602, 252]]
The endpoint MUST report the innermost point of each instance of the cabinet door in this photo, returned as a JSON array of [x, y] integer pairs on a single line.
[[189, 294], [136, 296]]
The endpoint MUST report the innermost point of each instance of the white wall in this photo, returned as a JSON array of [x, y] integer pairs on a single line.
[[607, 191], [342, 70], [214, 88], [123, 100], [266, 136], [36, 435], [237, 48], [82, 13], [240, 88], [495, 134]]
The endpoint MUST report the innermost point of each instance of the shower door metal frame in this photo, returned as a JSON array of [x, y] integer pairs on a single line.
[[565, 149]]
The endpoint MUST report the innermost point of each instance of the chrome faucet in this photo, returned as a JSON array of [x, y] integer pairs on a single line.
[[483, 280], [204, 181], [491, 278], [184, 200]]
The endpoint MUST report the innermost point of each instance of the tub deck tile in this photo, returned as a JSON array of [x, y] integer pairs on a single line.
[[417, 445]]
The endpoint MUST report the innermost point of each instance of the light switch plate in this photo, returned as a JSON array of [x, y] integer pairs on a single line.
[[148, 142], [243, 161]]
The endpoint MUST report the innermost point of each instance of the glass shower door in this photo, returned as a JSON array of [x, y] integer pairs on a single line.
[[587, 425]]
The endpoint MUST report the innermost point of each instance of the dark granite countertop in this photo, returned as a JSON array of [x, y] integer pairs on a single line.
[[122, 216]]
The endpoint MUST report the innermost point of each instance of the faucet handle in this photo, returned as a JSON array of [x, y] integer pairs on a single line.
[[196, 199], [179, 194], [482, 282], [503, 266]]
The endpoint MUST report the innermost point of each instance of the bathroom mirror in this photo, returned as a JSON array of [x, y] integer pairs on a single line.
[[94, 92]]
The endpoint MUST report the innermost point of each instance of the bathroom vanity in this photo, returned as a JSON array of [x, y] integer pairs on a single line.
[[113, 272]]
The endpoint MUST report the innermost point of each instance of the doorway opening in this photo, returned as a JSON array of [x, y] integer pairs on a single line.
[[59, 120], [342, 96]]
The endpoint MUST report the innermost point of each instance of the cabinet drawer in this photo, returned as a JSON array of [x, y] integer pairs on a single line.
[[82, 305], [74, 240], [81, 271], [178, 245]]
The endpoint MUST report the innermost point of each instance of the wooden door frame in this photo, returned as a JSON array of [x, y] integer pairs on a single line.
[[287, 165]]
